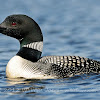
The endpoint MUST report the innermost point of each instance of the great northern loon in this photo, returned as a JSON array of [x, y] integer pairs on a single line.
[[28, 62]]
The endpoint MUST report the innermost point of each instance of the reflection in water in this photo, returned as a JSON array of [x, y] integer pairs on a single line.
[[31, 86], [20, 81], [38, 88], [22, 85]]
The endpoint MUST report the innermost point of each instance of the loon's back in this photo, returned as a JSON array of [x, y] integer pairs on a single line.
[[68, 66]]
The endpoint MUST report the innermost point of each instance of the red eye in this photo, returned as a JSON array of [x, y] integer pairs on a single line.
[[13, 24]]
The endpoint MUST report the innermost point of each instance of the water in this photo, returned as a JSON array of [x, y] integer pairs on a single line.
[[70, 27]]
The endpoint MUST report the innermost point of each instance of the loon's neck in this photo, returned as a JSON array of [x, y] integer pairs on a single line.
[[31, 51], [31, 45]]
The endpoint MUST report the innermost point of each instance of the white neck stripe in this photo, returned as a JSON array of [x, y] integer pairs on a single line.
[[35, 45]]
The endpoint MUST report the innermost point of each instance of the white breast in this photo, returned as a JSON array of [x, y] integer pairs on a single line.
[[20, 67], [14, 67]]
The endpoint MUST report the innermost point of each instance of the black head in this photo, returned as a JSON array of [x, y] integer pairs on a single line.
[[20, 27]]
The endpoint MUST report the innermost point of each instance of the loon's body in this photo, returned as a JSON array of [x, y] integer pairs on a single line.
[[28, 62]]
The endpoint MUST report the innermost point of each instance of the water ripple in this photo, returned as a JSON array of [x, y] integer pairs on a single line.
[[69, 28]]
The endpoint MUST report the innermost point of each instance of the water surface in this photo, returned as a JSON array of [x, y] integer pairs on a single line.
[[69, 27]]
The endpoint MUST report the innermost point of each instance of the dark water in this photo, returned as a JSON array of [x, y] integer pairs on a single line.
[[70, 27]]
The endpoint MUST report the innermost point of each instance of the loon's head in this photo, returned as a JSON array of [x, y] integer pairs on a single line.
[[21, 27]]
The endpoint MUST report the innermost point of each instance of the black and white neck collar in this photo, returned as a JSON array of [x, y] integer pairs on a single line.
[[35, 45], [31, 51]]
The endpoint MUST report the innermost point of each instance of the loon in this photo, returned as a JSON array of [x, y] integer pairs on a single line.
[[29, 64]]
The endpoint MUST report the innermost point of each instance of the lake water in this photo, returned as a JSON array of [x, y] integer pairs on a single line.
[[69, 27]]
